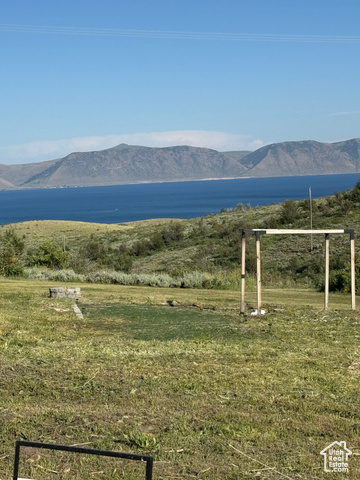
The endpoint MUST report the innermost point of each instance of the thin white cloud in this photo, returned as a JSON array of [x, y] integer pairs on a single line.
[[38, 151]]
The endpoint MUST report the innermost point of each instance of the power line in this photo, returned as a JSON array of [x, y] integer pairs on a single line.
[[181, 35]]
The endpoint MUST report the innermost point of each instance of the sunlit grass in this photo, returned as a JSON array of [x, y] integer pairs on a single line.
[[179, 374]]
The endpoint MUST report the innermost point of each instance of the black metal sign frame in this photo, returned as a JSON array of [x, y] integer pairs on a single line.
[[105, 453]]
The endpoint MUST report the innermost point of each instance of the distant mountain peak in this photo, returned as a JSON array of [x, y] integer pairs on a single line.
[[125, 163]]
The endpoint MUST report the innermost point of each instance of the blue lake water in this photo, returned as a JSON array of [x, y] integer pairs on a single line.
[[125, 203]]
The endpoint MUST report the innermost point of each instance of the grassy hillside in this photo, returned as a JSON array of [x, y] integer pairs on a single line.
[[202, 252]]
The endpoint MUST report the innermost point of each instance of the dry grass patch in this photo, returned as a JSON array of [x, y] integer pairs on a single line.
[[209, 393], [54, 229]]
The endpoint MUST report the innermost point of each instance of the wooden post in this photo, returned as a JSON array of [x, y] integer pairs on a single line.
[[352, 266], [243, 247], [258, 273], [327, 250]]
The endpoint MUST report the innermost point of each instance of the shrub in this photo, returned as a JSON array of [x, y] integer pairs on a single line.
[[94, 250], [11, 248], [10, 264], [289, 212], [194, 280], [67, 275], [174, 232], [50, 255]]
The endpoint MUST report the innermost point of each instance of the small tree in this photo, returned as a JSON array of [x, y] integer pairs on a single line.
[[11, 248], [290, 212], [50, 255]]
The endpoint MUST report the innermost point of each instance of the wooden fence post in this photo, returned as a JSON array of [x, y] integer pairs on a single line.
[[352, 263], [258, 273], [327, 256], [243, 247]]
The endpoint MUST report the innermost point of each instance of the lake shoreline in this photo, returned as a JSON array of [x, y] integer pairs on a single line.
[[134, 202], [208, 179]]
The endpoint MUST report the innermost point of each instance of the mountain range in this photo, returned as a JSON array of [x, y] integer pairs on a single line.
[[126, 164]]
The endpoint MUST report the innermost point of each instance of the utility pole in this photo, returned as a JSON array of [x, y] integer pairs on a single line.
[[311, 220]]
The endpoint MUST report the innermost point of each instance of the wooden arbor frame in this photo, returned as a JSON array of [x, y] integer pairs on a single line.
[[258, 232]]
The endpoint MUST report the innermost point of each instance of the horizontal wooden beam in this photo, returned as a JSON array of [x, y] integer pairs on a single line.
[[283, 231]]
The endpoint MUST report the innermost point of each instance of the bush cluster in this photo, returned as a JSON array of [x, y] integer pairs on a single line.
[[188, 280]]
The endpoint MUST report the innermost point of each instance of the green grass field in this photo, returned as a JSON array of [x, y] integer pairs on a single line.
[[180, 375]]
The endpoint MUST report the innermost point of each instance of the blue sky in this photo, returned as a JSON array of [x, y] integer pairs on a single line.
[[85, 75]]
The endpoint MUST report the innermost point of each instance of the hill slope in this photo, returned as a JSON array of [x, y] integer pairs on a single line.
[[136, 164], [304, 158], [132, 164], [13, 176]]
